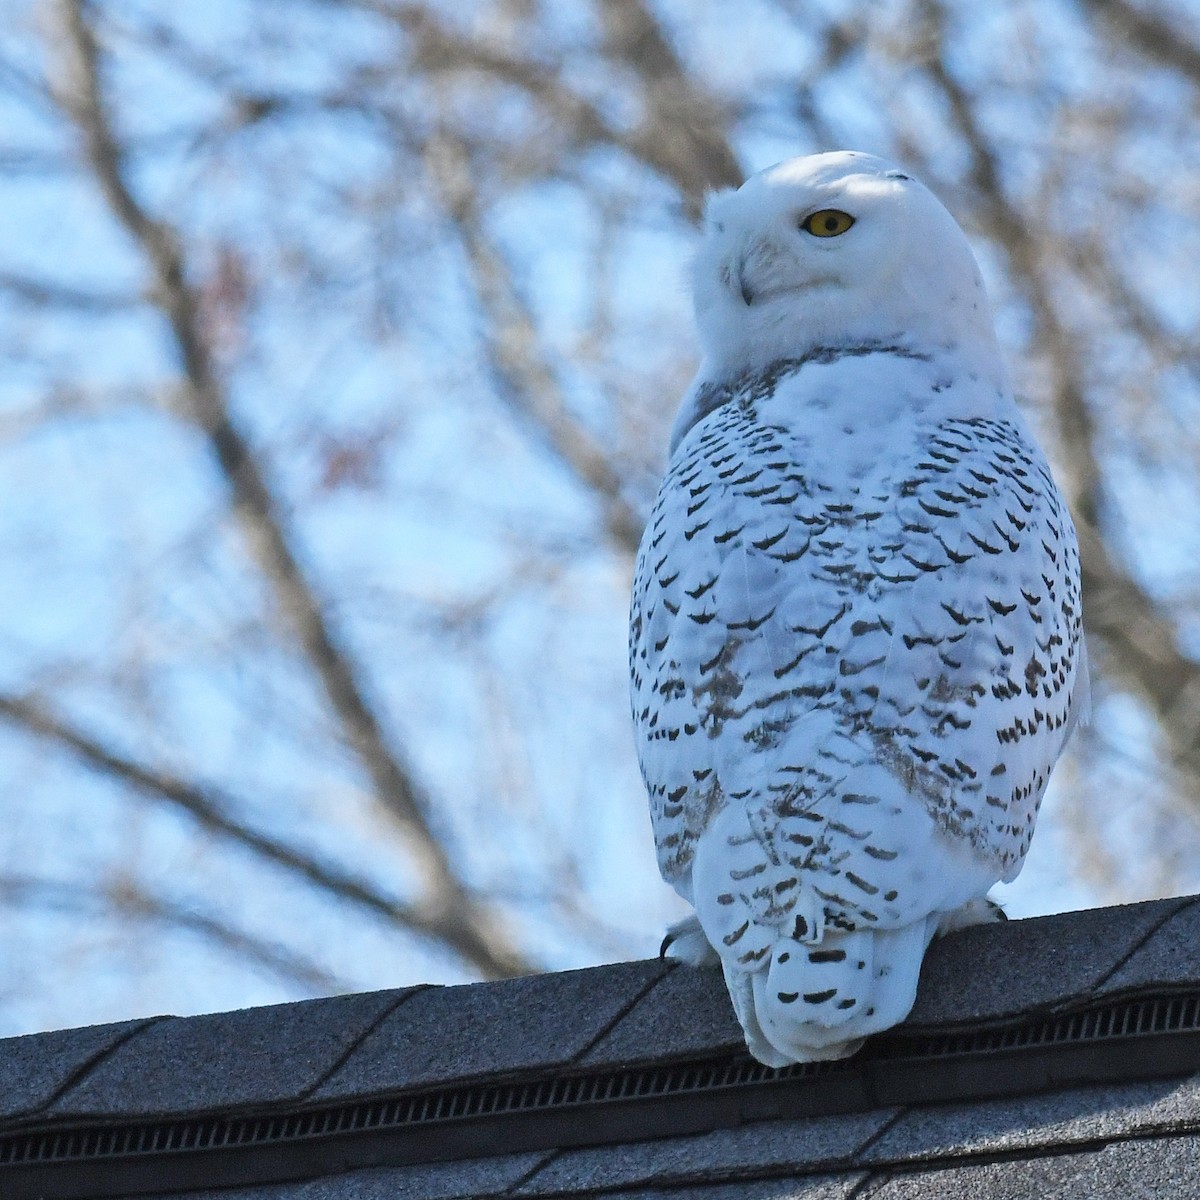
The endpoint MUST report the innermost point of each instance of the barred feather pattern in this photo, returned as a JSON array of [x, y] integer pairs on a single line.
[[856, 653]]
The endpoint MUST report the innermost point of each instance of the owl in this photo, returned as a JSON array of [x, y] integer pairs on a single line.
[[855, 640]]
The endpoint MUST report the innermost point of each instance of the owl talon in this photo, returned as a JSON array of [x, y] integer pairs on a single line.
[[981, 911], [685, 941]]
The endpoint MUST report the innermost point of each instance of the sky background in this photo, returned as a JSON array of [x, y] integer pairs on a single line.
[[468, 571]]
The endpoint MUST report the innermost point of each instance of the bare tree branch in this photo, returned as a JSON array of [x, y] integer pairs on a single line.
[[125, 900], [1151, 34], [682, 134], [476, 933], [47, 293], [130, 900], [1166, 347], [213, 812], [522, 376], [1142, 643]]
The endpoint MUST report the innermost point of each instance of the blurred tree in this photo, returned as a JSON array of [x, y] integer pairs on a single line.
[[340, 340]]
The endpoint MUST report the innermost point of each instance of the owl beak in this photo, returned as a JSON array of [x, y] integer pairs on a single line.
[[734, 278], [744, 288]]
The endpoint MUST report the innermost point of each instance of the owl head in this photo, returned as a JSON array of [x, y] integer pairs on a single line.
[[829, 250]]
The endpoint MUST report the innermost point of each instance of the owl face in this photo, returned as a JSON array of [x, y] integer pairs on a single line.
[[793, 232], [827, 250]]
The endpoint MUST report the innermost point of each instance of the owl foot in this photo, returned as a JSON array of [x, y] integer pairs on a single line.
[[983, 910], [685, 940]]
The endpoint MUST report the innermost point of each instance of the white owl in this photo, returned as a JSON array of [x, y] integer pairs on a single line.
[[855, 637]]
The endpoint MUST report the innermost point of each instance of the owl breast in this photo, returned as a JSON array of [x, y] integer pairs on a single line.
[[854, 643]]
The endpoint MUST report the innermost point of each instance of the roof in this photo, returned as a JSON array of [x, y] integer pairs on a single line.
[[1058, 1054]]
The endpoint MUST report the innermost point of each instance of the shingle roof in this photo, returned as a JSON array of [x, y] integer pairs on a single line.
[[1051, 1055]]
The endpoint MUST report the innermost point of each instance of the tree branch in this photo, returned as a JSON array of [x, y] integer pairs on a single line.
[[213, 811], [1142, 643], [46, 294], [522, 376], [127, 901], [475, 932], [1151, 35], [683, 134]]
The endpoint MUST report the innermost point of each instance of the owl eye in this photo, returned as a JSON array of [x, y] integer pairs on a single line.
[[828, 222]]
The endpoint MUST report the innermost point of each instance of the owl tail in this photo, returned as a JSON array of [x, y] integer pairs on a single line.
[[818, 1001]]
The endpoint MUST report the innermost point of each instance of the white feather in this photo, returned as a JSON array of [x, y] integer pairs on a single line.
[[855, 639]]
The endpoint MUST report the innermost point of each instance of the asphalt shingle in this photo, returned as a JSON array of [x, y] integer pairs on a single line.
[[466, 1179], [1147, 1169], [223, 1060], [1012, 1179], [1074, 1116], [686, 1013], [486, 1030], [810, 1187], [34, 1069], [812, 1146], [1166, 959], [1143, 1169], [992, 972]]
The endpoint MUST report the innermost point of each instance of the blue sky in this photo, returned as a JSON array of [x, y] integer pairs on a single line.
[[464, 566]]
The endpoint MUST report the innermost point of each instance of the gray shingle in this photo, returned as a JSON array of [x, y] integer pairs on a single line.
[[1069, 1117], [482, 1178], [808, 1187], [1016, 1179], [765, 1147], [1167, 958], [687, 1013], [1147, 1169], [34, 1069], [480, 1030], [995, 971], [223, 1060]]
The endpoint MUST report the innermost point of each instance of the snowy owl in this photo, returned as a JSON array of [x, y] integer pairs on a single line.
[[855, 640]]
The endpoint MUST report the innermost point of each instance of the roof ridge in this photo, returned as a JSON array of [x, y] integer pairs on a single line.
[[90, 1064], [402, 997], [545, 1109], [616, 1053], [1185, 902], [625, 1010]]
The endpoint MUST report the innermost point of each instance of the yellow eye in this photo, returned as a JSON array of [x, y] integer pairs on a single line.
[[829, 222]]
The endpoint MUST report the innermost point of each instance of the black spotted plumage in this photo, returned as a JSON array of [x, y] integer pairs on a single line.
[[856, 641], [846, 644]]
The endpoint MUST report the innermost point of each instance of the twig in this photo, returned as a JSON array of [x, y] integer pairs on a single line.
[[522, 376], [51, 294], [213, 811], [124, 901], [683, 133]]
